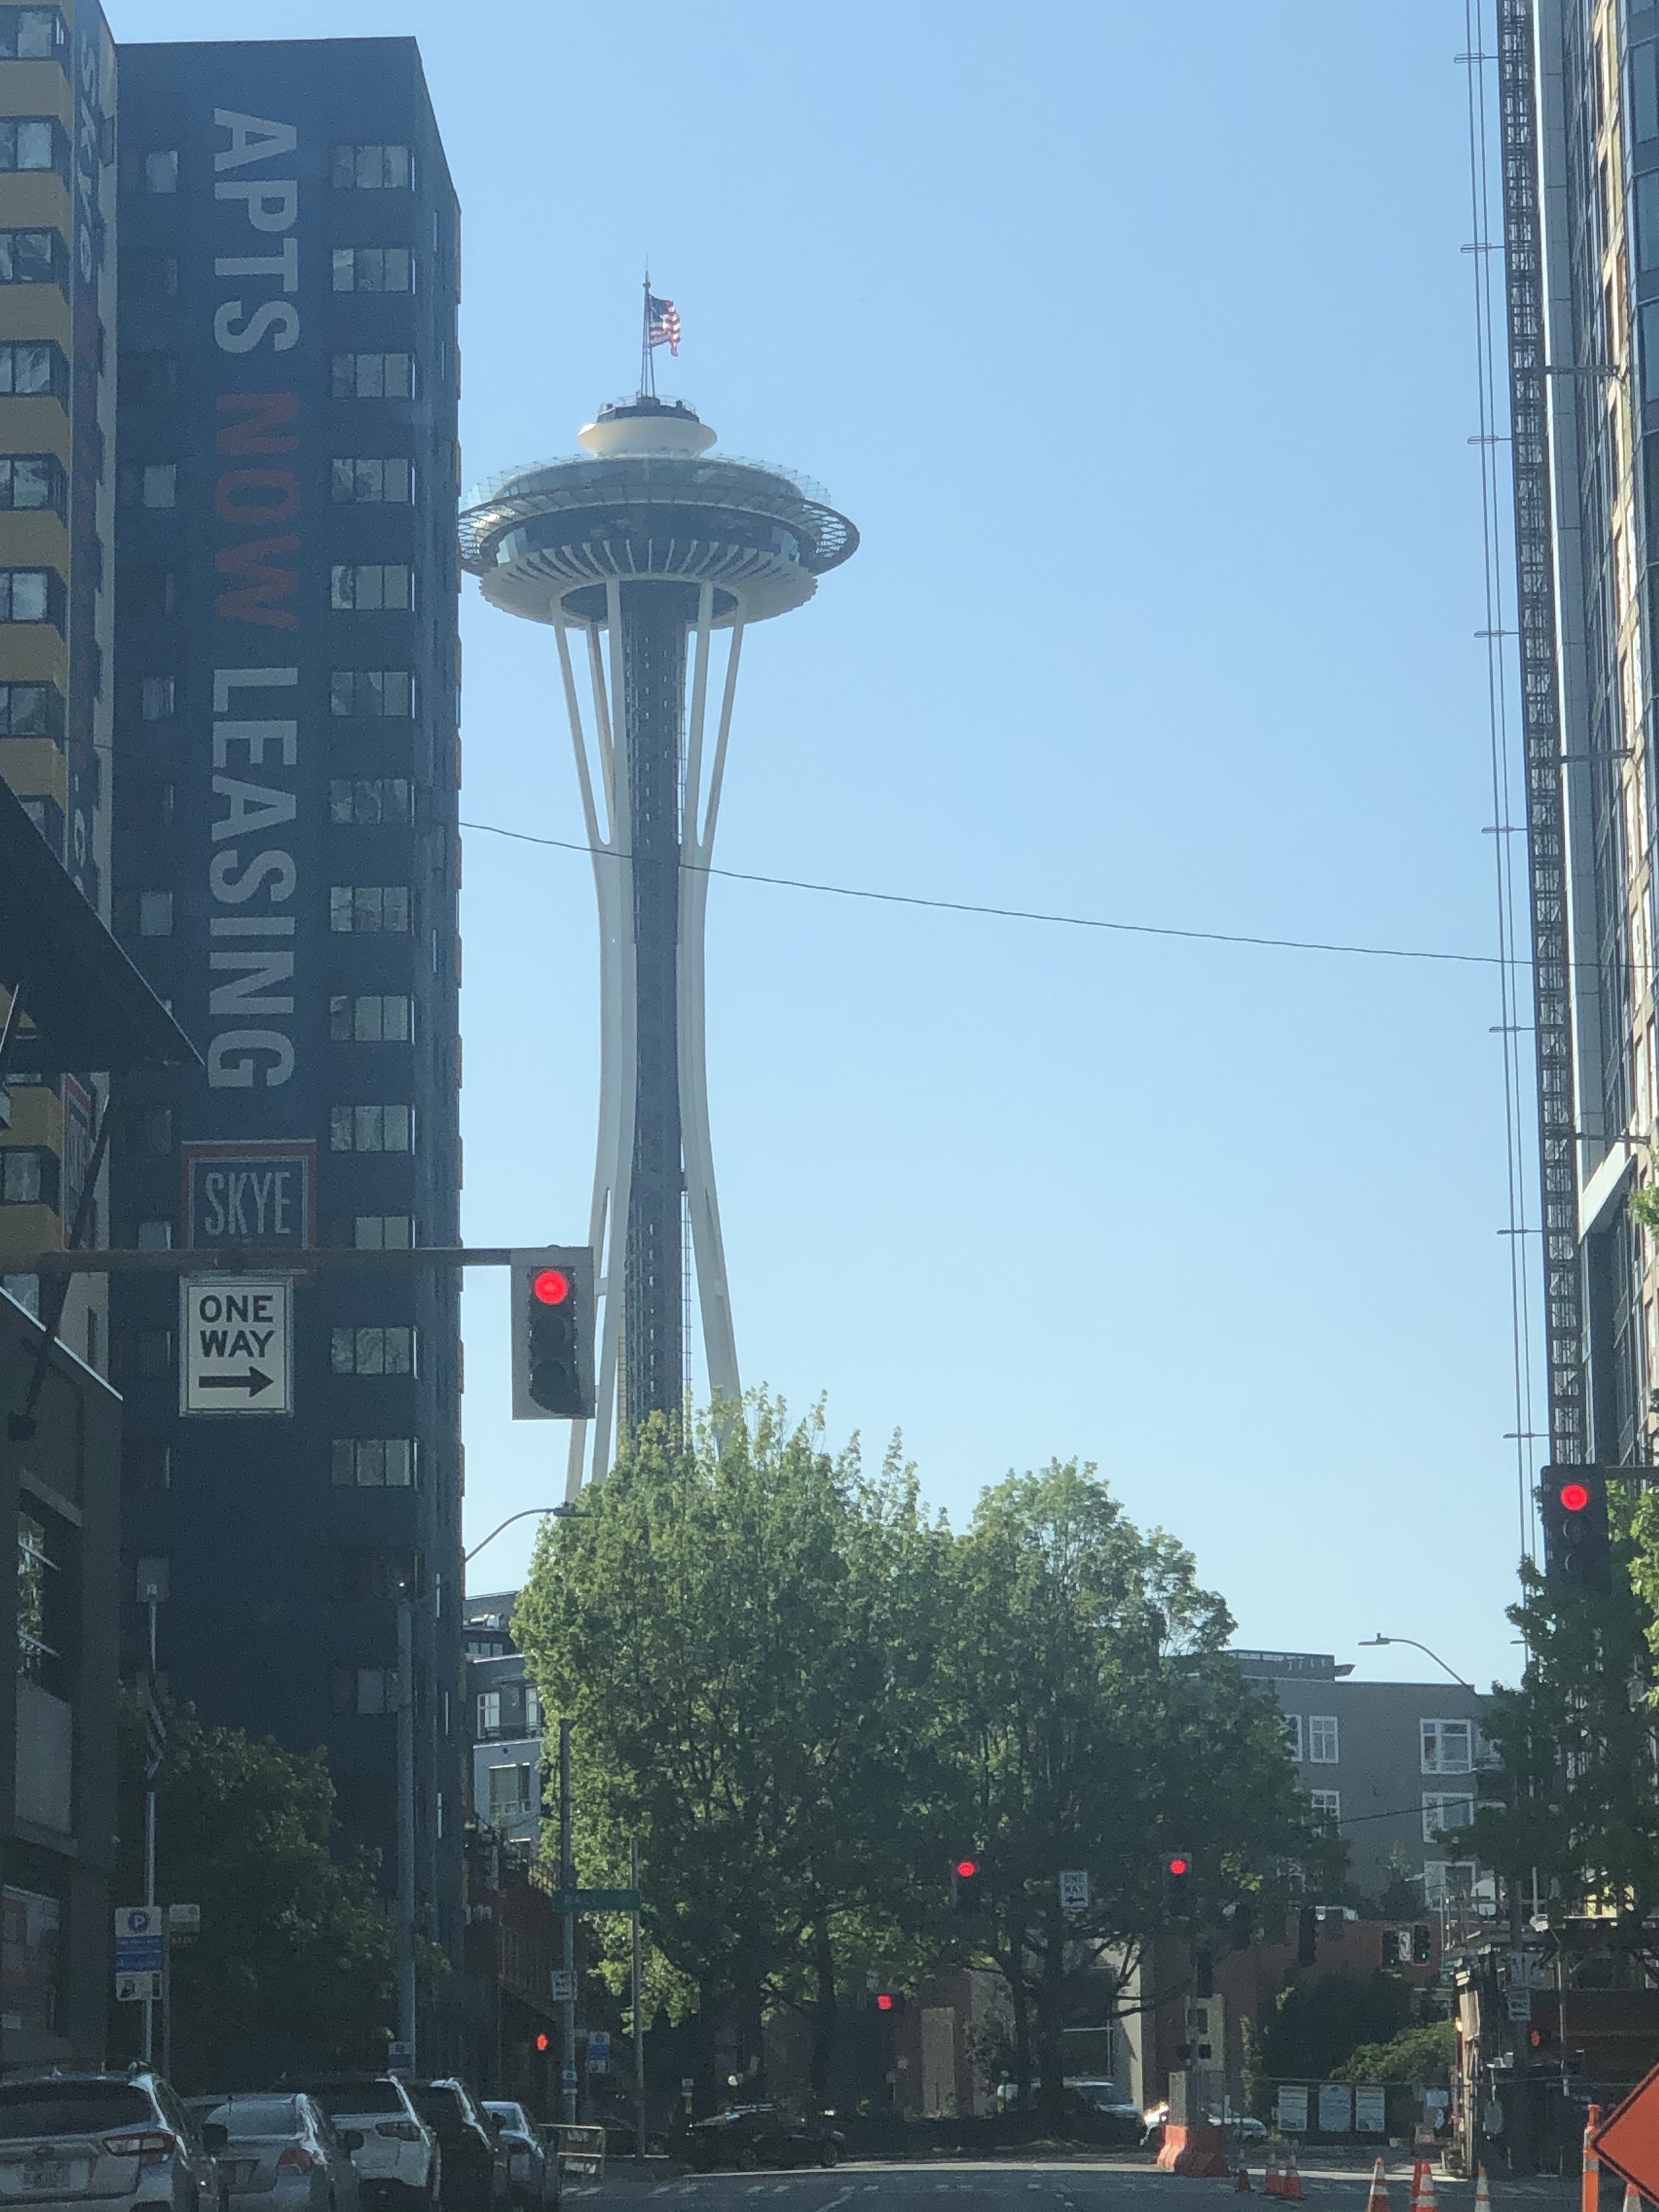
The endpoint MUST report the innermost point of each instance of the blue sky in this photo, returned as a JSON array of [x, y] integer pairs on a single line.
[[1139, 343]]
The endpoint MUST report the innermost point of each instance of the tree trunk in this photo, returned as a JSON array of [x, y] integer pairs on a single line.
[[1051, 2021], [1014, 1971], [823, 2011]]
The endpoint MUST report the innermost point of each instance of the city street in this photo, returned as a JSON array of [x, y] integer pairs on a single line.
[[1035, 2185]]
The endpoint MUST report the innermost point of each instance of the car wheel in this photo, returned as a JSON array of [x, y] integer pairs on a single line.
[[829, 2154]]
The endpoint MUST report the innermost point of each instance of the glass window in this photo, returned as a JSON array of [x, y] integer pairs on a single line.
[[1327, 1803], [158, 697], [27, 369], [28, 1176], [154, 484], [1644, 90], [155, 914], [372, 799], [373, 1350], [372, 692], [1647, 221], [31, 34], [372, 376], [372, 169], [375, 1017], [1448, 1746], [1323, 1739], [24, 595], [29, 481], [533, 1710], [383, 1232], [28, 257], [28, 143], [1441, 1811], [365, 908], [161, 171], [372, 269], [372, 483], [153, 1237], [373, 1462], [490, 1711], [31, 710], [387, 1128], [372, 588]]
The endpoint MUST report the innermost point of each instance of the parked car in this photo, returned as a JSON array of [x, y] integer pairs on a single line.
[[1244, 2125], [533, 2177], [121, 2139], [399, 2162], [1114, 2112], [748, 2136], [474, 2161], [282, 2154]]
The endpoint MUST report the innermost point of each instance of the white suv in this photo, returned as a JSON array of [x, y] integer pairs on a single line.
[[124, 2140], [398, 2166]]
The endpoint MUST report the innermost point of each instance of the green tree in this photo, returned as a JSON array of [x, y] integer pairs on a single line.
[[296, 1952], [737, 1630], [1421, 2057], [1314, 2028], [1094, 1722], [1579, 1741]]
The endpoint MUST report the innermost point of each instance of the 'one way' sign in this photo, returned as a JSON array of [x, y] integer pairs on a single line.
[[236, 1337]]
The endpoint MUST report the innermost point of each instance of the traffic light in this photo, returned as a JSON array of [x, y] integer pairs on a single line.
[[1422, 1945], [1577, 1543], [966, 1874], [544, 2041], [891, 2001], [1177, 1885], [552, 1296], [1391, 1955]]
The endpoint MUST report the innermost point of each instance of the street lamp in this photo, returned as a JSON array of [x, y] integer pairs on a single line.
[[558, 1512], [1368, 1640]]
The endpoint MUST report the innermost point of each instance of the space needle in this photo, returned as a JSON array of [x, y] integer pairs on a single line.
[[635, 553]]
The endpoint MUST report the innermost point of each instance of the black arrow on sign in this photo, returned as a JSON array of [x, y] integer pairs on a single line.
[[253, 1381]]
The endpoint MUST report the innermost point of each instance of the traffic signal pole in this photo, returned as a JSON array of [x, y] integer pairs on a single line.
[[1520, 2118], [567, 1883], [406, 1827]]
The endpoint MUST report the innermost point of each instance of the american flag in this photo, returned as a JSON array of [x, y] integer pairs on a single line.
[[662, 323]]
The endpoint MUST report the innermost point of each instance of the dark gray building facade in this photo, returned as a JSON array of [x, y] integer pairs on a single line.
[[286, 757]]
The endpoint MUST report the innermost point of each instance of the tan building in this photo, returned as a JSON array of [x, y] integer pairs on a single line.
[[56, 564]]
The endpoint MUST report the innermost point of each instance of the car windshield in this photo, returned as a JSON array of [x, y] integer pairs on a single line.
[[439, 2108], [510, 2116], [246, 2117], [70, 2108], [342, 2099]]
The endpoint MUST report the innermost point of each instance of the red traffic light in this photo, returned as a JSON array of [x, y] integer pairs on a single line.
[[1574, 1497], [552, 1286], [884, 2001], [967, 1869], [542, 2040], [1178, 1865]]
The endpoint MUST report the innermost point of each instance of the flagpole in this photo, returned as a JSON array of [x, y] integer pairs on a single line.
[[647, 381]]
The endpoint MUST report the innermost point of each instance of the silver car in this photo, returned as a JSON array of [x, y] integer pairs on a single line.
[[282, 2154], [122, 2140], [532, 2177]]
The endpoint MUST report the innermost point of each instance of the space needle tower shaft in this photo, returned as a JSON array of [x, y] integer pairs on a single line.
[[637, 554]]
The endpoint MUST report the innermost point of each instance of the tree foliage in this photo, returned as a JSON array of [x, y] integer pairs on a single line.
[[1421, 2057], [802, 1697], [295, 1958]]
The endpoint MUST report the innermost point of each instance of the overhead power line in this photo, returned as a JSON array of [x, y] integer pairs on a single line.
[[1019, 914]]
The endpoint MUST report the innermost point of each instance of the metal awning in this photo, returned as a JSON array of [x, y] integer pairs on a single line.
[[91, 1012]]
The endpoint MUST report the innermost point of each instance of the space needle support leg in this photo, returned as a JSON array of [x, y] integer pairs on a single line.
[[719, 1341], [622, 1038]]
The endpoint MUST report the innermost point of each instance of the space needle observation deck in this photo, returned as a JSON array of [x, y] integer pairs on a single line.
[[635, 553]]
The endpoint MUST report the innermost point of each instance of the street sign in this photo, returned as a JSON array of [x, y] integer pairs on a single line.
[[1517, 2004], [141, 1944], [1074, 1890], [563, 1985], [400, 2059], [599, 2051], [595, 1900], [184, 1923], [568, 2078], [236, 1334], [1526, 1970], [1628, 2139], [138, 1988], [132, 1920]]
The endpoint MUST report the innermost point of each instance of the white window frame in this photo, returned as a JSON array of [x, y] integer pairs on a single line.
[[1430, 1732], [1318, 1723], [1435, 1802], [1327, 1803]]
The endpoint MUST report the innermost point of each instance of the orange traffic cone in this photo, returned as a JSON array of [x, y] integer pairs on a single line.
[[1419, 2169], [1633, 2198], [1427, 2201], [1242, 2182], [1590, 2183], [1290, 2180], [1482, 2191], [1271, 2185], [1378, 2199]]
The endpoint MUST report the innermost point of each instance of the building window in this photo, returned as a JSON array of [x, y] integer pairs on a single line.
[[31, 34], [368, 1691], [365, 909], [143, 1355], [1444, 1812], [31, 710], [1448, 1746], [145, 1130], [489, 1712], [367, 800], [154, 484], [26, 595], [1326, 1804], [372, 1462], [370, 376], [510, 1788], [153, 1237], [533, 1710], [33, 143], [372, 588], [1321, 1739], [1449, 1883], [372, 483], [384, 1232], [145, 591], [158, 697], [154, 913], [375, 1019], [32, 480], [373, 269], [371, 1128], [374, 692], [373, 1351], [372, 169], [161, 171], [28, 1176], [30, 257], [31, 367]]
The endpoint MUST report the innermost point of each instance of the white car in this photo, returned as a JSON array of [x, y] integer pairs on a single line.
[[398, 2166], [122, 2142]]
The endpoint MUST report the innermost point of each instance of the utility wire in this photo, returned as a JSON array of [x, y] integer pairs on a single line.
[[1016, 913]]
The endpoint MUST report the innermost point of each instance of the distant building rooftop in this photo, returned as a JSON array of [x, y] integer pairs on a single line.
[[1286, 1666]]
